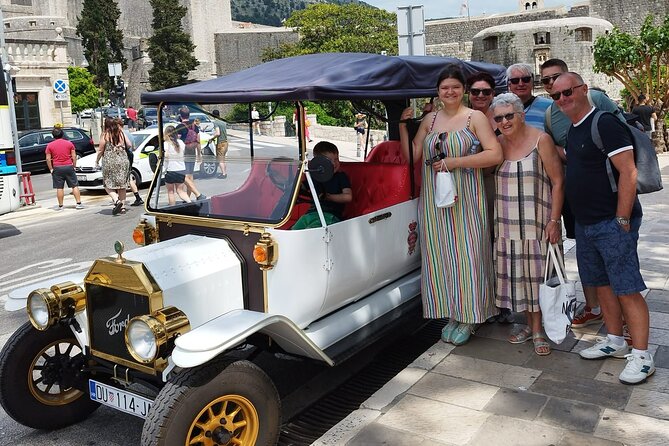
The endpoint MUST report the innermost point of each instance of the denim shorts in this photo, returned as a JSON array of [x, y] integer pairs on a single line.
[[607, 256]]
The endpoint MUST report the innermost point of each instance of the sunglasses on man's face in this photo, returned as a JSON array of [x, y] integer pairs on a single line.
[[547, 79], [568, 92], [516, 80], [480, 91], [508, 117]]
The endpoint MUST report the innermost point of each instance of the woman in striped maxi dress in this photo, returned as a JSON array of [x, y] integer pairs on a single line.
[[457, 275], [527, 213]]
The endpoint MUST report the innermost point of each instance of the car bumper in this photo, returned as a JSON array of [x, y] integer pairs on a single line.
[[90, 180]]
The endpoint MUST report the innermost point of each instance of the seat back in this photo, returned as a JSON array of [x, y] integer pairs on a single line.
[[386, 152], [375, 186]]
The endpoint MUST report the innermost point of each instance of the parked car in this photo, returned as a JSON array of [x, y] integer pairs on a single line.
[[206, 124], [33, 146], [148, 116], [146, 144], [115, 112], [170, 331]]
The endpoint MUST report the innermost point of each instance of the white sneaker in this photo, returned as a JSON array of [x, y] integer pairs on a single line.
[[604, 348], [638, 368], [79, 206]]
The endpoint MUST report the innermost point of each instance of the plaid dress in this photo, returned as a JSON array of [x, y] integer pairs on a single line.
[[522, 210]]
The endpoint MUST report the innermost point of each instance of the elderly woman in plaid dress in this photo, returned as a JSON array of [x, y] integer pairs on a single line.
[[529, 197]]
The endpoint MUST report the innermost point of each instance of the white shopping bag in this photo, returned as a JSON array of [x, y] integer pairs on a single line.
[[557, 298], [445, 194]]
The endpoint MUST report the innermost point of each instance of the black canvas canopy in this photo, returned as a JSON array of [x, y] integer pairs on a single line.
[[352, 76]]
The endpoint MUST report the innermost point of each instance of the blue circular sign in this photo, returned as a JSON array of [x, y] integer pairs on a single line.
[[60, 86]]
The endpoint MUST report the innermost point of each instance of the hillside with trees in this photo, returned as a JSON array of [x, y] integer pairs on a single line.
[[273, 12]]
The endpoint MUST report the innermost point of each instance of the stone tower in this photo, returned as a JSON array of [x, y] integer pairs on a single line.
[[529, 5]]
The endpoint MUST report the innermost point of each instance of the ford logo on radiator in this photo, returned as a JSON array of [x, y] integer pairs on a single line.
[[115, 326]]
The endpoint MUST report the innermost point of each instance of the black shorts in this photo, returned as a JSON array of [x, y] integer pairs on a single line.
[[62, 175], [174, 178], [190, 167]]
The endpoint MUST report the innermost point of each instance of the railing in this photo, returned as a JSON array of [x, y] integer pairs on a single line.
[[31, 51]]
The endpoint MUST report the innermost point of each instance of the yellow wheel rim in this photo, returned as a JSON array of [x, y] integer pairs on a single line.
[[52, 394], [228, 420]]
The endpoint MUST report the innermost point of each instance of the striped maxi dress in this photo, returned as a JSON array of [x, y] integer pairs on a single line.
[[457, 268], [522, 211]]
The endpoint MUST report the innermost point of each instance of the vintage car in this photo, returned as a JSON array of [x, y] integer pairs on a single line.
[[151, 331]]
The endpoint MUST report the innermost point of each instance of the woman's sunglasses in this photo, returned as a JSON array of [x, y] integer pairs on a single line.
[[516, 80], [568, 92], [480, 91], [547, 80], [508, 117]]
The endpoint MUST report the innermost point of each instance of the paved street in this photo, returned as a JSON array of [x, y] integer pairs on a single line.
[[490, 392]]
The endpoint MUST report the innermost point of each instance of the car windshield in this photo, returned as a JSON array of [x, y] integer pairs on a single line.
[[236, 175], [150, 112], [138, 138]]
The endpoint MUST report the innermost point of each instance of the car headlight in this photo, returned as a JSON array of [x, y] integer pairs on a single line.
[[145, 336], [43, 309], [46, 307]]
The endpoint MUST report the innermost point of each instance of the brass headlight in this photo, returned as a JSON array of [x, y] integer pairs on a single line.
[[145, 335], [47, 307]]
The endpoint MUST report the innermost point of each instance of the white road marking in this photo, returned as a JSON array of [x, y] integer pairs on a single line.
[[27, 280]]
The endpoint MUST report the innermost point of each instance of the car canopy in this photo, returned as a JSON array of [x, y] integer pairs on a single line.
[[351, 76]]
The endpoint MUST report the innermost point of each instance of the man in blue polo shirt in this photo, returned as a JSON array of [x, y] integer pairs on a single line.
[[607, 227]]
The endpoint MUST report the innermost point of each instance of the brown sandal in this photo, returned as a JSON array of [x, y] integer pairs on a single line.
[[541, 346], [522, 335]]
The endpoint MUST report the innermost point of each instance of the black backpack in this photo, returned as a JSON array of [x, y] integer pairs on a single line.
[[649, 178]]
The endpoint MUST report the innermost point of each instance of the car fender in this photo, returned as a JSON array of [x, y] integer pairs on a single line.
[[18, 298], [232, 328]]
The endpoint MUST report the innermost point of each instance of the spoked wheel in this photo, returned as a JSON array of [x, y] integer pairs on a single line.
[[40, 378], [208, 168], [206, 406]]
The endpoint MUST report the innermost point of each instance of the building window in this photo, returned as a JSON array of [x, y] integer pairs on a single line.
[[583, 35], [542, 38], [32, 23], [527, 6], [490, 43], [22, 2], [534, 5]]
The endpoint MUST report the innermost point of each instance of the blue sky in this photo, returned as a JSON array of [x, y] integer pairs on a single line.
[[435, 9]]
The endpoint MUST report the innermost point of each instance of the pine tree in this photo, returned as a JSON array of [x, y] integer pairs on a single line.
[[170, 48], [101, 38]]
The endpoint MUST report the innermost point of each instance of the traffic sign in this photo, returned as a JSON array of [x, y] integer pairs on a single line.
[[60, 96], [60, 86]]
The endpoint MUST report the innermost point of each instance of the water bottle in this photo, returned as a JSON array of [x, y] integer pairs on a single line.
[[476, 146]]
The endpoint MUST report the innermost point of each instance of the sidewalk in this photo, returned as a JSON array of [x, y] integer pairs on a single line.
[[490, 392]]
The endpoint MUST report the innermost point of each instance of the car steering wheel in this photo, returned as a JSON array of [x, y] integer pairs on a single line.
[[275, 169]]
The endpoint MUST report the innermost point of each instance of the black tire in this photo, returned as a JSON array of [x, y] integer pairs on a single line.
[[23, 396], [134, 174], [208, 168], [187, 396]]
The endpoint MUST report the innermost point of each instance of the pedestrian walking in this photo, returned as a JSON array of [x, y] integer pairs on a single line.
[[113, 150], [221, 135], [607, 227], [61, 159], [255, 117], [131, 113], [131, 159]]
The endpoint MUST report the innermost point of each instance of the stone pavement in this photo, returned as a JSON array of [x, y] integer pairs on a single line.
[[492, 392]]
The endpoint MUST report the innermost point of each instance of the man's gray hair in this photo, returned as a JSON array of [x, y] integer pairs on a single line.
[[525, 69], [507, 99]]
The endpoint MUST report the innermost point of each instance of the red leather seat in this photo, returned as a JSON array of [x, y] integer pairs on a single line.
[[376, 186], [386, 152]]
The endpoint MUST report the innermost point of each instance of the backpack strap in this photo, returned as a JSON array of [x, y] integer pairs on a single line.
[[597, 139], [548, 125]]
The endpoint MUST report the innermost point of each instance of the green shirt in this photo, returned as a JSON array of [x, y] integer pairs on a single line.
[[220, 125], [558, 123]]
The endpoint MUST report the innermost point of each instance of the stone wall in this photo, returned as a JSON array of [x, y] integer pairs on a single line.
[[629, 15], [242, 48]]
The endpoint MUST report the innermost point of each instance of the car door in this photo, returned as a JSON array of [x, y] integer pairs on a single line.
[[32, 151], [76, 138]]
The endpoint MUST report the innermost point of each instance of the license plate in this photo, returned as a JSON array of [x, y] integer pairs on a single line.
[[81, 177], [119, 399]]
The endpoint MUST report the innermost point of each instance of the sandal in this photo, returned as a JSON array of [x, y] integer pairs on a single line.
[[117, 207], [523, 335], [122, 210], [541, 346]]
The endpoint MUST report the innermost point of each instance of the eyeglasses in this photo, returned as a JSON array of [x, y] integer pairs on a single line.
[[480, 91], [516, 80], [508, 117], [547, 80], [568, 92]]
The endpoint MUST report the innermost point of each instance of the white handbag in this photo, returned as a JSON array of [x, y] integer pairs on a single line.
[[557, 297], [445, 194]]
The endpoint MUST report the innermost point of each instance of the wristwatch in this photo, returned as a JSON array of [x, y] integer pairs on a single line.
[[623, 221]]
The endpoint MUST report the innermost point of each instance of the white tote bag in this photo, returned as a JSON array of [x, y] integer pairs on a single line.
[[557, 297], [445, 194]]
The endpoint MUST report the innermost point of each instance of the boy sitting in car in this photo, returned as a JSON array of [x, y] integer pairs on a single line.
[[333, 194]]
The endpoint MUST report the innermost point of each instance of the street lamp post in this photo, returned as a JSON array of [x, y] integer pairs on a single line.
[[6, 73]]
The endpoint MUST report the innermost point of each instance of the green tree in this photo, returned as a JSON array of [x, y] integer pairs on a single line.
[[102, 40], [83, 92], [170, 48], [328, 28], [641, 63]]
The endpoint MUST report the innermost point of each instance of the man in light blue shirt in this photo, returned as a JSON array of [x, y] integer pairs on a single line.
[[521, 82]]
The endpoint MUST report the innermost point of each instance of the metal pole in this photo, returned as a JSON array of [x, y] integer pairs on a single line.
[[10, 92]]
